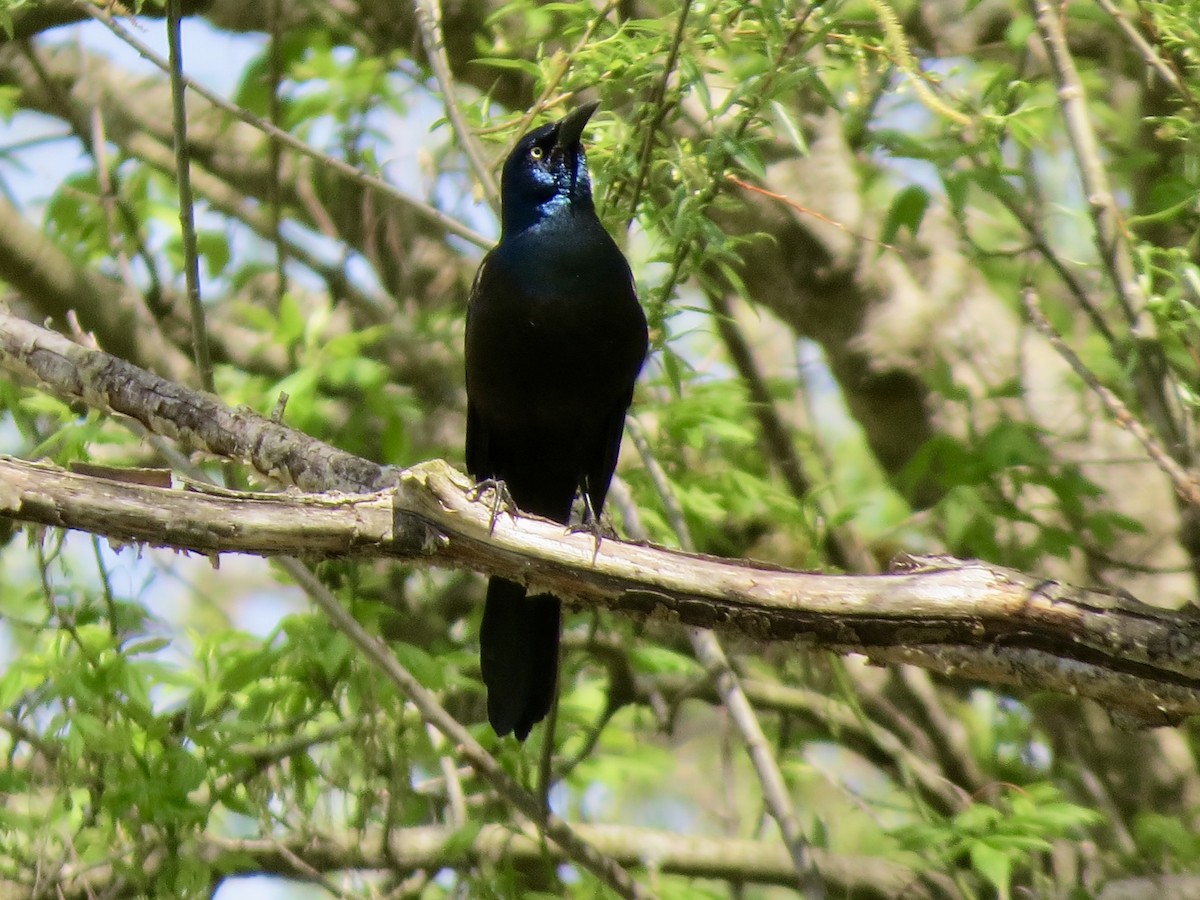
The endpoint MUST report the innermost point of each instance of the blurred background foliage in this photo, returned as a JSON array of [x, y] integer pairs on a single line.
[[840, 216]]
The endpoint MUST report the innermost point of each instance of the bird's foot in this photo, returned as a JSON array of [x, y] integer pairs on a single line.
[[591, 524], [501, 499]]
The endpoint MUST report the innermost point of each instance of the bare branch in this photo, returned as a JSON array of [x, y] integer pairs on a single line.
[[711, 655], [344, 169], [187, 211], [1112, 241], [1103, 205], [1186, 483], [429, 20], [554, 827], [1148, 53], [875, 742], [435, 847], [843, 547], [199, 421], [965, 619]]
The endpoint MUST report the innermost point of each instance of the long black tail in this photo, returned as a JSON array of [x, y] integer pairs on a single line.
[[519, 655]]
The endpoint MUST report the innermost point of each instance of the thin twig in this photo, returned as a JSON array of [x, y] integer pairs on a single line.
[[1186, 483], [711, 655], [456, 799], [429, 21], [98, 144], [897, 43], [19, 733], [555, 828], [717, 167], [274, 148], [436, 716], [1148, 53], [658, 102], [427, 212], [662, 486], [1041, 244], [946, 731], [1111, 234], [307, 871], [224, 198], [187, 207], [1101, 202], [804, 210], [843, 548], [562, 66], [1094, 785], [92, 135]]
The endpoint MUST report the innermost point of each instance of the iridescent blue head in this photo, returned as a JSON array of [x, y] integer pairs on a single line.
[[547, 173]]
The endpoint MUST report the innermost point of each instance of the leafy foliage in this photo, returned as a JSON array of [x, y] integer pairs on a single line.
[[834, 213]]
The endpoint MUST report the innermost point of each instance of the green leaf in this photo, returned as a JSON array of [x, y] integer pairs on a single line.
[[424, 667], [242, 668], [292, 321], [994, 865], [150, 645], [213, 247], [523, 66], [907, 211], [1017, 33], [661, 661]]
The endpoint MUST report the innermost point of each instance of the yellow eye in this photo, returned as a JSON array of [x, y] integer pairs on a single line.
[[536, 152]]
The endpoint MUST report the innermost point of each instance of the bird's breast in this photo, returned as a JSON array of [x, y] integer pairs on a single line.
[[554, 335]]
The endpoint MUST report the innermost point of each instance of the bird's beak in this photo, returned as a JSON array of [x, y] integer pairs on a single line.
[[566, 142], [570, 128]]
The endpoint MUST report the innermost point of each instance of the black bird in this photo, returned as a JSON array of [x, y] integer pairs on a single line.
[[555, 341]]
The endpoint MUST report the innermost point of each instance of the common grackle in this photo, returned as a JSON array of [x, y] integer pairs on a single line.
[[555, 341]]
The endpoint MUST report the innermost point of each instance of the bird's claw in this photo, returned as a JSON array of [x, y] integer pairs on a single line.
[[591, 524], [502, 499]]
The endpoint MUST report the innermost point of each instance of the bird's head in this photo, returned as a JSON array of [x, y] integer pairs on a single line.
[[547, 171]]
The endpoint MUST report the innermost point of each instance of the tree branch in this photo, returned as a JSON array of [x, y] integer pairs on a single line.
[[429, 21], [966, 619], [557, 829], [436, 847], [37, 269], [1186, 483], [710, 653], [198, 421], [1111, 233], [874, 742], [341, 167]]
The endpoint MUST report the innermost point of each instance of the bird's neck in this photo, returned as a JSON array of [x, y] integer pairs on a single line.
[[560, 211], [557, 249]]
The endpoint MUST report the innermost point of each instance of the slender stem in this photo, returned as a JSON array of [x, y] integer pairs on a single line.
[[1112, 239], [717, 168], [429, 21], [1165, 71], [658, 101], [843, 548], [562, 66], [555, 828], [187, 208], [1186, 483], [1101, 202], [275, 160], [711, 655], [342, 168]]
